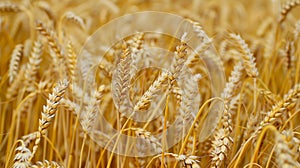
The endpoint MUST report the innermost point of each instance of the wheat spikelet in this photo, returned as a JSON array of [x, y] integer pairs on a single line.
[[247, 56], [21, 159], [287, 104], [33, 65], [15, 61], [9, 7], [291, 4], [72, 17], [71, 61], [48, 112]]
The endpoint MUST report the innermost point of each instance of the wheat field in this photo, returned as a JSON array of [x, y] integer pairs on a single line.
[[211, 83]]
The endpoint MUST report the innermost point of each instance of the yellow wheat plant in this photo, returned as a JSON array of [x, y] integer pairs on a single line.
[[62, 105]]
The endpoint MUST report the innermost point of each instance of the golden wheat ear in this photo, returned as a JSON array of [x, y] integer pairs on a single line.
[[49, 111], [291, 4], [15, 61]]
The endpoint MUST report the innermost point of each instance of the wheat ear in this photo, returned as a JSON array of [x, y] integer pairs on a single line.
[[122, 81], [285, 156], [21, 159], [48, 112], [33, 65], [291, 4], [137, 49], [51, 40], [72, 17], [180, 59], [44, 6], [90, 114], [15, 61], [247, 56], [144, 101], [222, 139], [287, 104], [71, 61], [14, 87]]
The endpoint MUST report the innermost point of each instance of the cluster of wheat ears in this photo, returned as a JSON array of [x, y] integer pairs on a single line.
[[50, 117]]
